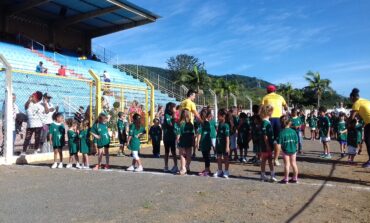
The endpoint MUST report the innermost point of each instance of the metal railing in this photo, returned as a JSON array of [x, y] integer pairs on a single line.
[[160, 83], [30, 43], [64, 58]]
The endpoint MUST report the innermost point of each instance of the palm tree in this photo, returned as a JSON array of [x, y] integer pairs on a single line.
[[286, 90], [224, 88], [197, 78], [318, 85]]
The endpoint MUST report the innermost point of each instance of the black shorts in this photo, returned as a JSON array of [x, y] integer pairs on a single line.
[[58, 147], [224, 154], [105, 147], [243, 146], [122, 139]]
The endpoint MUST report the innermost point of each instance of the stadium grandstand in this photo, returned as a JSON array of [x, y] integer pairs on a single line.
[[59, 32]]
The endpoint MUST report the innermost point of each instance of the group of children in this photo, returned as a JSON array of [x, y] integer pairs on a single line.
[[232, 133], [81, 138], [328, 126]]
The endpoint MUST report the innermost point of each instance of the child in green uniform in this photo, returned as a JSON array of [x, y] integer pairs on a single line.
[[122, 126], [57, 139], [222, 144], [342, 133], [324, 131], [256, 132], [352, 140], [297, 126], [312, 123], [267, 142], [155, 134], [85, 143], [205, 141], [185, 141], [243, 139], [135, 132], [73, 143], [288, 140], [102, 139], [170, 129], [302, 116]]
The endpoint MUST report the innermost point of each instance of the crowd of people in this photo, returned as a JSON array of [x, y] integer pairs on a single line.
[[272, 128]]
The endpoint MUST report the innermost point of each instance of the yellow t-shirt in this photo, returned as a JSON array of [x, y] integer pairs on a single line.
[[362, 106], [277, 102], [190, 106]]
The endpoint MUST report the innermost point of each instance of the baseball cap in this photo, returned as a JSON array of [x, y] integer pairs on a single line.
[[271, 88]]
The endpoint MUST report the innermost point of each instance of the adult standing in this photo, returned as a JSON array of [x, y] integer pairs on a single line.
[[188, 104], [340, 109], [47, 120], [35, 112], [278, 103], [361, 107]]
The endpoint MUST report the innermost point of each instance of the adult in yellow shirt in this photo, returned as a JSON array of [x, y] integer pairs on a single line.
[[188, 104], [278, 103], [361, 107]]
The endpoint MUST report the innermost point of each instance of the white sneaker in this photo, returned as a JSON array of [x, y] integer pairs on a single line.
[[131, 168], [277, 163], [78, 166], [60, 166], [273, 179], [264, 178], [217, 174], [166, 170], [69, 165], [174, 169], [87, 167], [139, 169], [55, 165], [226, 174]]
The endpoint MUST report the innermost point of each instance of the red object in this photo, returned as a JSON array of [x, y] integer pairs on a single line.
[[62, 72], [271, 88]]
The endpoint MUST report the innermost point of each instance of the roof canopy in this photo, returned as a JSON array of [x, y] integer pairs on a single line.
[[94, 17]]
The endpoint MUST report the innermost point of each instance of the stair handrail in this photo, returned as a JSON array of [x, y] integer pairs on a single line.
[[155, 81], [32, 42]]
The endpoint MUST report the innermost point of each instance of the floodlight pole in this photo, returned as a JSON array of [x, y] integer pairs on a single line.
[[9, 121], [234, 98], [215, 102]]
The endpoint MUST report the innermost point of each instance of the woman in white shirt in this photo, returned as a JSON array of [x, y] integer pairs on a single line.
[[35, 113]]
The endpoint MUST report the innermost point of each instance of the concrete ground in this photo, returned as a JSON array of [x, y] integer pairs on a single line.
[[329, 191]]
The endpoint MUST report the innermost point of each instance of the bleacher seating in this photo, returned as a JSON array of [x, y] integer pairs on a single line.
[[25, 59]]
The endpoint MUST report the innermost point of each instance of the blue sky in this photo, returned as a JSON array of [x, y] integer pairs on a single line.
[[278, 41]]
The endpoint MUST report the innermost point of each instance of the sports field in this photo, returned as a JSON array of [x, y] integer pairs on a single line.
[[328, 191]]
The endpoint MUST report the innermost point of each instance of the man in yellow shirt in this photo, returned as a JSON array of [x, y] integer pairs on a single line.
[[278, 103], [188, 104], [362, 108]]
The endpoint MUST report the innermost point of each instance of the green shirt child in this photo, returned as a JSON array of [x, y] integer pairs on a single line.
[[57, 132], [324, 126], [135, 140], [72, 142], [288, 140], [223, 131], [341, 126], [101, 129], [186, 135], [267, 131], [204, 130], [84, 141]]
